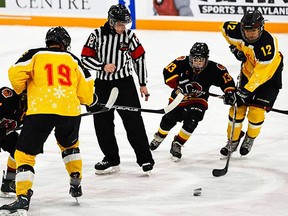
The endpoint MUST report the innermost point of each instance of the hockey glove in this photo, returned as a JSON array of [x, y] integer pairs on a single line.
[[238, 54], [242, 96], [229, 98], [94, 105]]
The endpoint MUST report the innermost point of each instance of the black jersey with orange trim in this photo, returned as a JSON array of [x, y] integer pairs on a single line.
[[214, 74], [12, 106]]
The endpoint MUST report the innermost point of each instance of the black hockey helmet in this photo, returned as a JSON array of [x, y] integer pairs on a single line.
[[199, 50], [119, 13], [58, 35], [252, 20]]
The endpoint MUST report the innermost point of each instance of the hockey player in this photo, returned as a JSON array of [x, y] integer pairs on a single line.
[[261, 73], [54, 78], [12, 112], [191, 75], [114, 53]]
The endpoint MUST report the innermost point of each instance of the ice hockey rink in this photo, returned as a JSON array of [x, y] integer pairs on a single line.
[[254, 185]]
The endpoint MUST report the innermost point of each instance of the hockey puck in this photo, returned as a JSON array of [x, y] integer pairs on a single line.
[[197, 192]]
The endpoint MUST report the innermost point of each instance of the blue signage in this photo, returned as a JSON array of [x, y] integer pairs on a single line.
[[130, 4]]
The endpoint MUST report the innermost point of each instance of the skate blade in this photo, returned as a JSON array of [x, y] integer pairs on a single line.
[[7, 195], [147, 173], [175, 159], [20, 212], [77, 201], [110, 170]]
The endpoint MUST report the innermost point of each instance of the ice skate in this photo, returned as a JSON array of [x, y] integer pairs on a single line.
[[8, 185], [75, 186], [19, 207], [246, 145], [234, 145], [176, 150], [147, 168], [156, 142], [104, 168]]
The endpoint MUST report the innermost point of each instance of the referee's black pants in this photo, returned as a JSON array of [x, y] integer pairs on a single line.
[[132, 121]]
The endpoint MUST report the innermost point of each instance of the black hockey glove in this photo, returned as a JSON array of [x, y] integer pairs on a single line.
[[237, 53], [94, 107], [242, 96], [229, 98]]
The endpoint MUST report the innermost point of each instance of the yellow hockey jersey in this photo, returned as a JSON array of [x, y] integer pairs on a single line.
[[263, 56], [55, 80]]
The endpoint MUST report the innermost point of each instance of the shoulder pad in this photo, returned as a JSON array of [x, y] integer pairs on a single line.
[[181, 58], [220, 66], [6, 92], [232, 29]]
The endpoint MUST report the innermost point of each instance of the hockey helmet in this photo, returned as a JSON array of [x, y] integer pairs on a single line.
[[200, 53], [252, 20], [119, 13], [58, 35]]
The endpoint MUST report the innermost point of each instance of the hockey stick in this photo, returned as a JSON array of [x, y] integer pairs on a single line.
[[165, 110], [273, 109], [106, 107], [221, 172]]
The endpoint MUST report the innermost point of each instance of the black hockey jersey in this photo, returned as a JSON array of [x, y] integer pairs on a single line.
[[179, 71], [12, 108]]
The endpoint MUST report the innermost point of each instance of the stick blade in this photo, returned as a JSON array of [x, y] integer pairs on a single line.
[[174, 103], [219, 172], [113, 96], [106, 107]]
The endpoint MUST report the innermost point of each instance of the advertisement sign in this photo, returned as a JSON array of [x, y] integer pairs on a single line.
[[61, 8], [199, 15], [216, 10]]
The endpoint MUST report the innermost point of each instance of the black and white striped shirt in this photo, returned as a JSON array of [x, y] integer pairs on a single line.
[[104, 46]]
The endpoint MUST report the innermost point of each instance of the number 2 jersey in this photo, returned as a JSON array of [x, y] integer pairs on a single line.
[[55, 80], [179, 71]]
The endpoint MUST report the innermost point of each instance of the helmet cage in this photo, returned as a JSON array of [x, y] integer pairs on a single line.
[[200, 53]]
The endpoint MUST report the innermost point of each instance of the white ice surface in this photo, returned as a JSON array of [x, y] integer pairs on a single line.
[[254, 185]]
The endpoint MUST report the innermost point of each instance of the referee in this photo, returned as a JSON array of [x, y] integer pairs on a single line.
[[114, 53]]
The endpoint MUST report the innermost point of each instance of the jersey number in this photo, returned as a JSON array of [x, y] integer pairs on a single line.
[[232, 25], [266, 50], [171, 67], [64, 73], [227, 78]]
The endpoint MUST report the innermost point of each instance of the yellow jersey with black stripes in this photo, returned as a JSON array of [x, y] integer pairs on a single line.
[[55, 80]]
